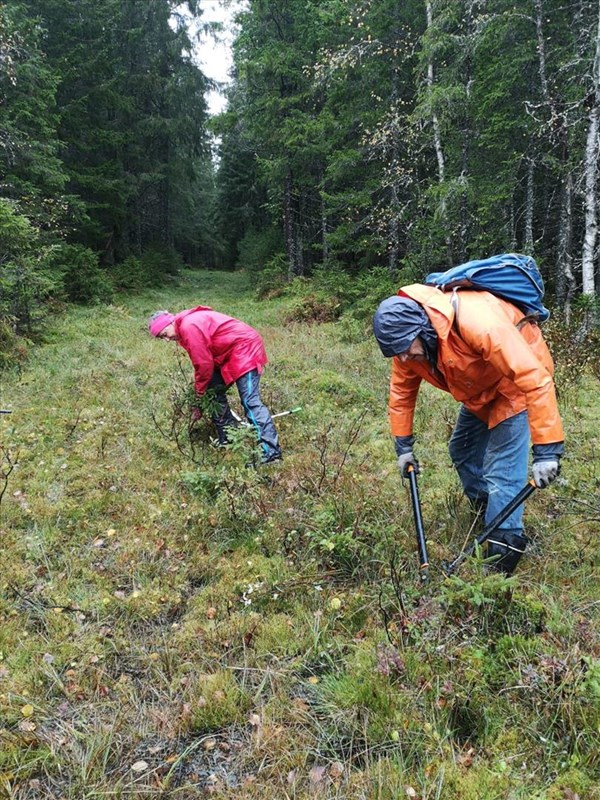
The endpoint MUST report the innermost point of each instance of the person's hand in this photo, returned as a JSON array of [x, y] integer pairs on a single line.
[[196, 414], [544, 472], [406, 460]]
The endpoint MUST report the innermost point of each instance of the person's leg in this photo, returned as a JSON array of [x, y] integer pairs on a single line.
[[505, 467], [505, 472], [258, 415], [467, 449], [222, 417]]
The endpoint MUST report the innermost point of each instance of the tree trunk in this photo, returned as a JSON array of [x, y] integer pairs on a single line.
[[299, 233], [437, 144], [592, 152], [565, 281], [324, 219], [394, 159], [466, 134], [394, 233], [528, 234], [288, 226], [541, 47], [512, 226]]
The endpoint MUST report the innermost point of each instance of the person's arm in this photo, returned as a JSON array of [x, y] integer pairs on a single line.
[[193, 339], [502, 345], [404, 388]]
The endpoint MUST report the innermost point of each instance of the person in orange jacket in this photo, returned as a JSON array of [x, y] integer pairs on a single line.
[[496, 364]]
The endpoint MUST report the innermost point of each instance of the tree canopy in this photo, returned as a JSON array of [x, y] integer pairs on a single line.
[[419, 134]]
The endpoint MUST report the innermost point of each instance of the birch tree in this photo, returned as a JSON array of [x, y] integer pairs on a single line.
[[592, 151], [430, 109]]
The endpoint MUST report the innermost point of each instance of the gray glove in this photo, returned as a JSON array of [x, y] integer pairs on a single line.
[[544, 472], [404, 461]]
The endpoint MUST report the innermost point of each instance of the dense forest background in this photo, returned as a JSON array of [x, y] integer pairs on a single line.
[[362, 138]]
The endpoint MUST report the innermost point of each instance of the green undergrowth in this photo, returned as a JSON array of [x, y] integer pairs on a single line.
[[176, 624]]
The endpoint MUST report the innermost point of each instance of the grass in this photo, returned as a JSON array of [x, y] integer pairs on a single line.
[[176, 628]]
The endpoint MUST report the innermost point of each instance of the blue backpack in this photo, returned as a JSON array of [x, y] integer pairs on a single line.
[[511, 276]]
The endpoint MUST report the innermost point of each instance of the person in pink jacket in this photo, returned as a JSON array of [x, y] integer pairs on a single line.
[[223, 351]]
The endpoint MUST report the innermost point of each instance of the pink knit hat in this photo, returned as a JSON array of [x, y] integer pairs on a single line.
[[159, 321]]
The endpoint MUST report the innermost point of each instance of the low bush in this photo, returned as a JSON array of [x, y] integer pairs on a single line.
[[315, 308], [574, 346], [272, 281], [332, 293], [13, 348], [260, 248], [155, 267], [26, 282], [82, 278]]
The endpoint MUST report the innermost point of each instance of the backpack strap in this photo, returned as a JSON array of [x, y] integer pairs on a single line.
[[533, 318], [454, 301]]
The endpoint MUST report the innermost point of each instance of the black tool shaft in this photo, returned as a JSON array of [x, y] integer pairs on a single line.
[[416, 507], [508, 509]]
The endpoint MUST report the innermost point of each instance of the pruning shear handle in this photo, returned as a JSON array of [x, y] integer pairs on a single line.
[[416, 507]]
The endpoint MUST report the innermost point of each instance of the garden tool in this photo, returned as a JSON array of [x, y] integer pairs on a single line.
[[491, 527], [416, 506], [285, 413], [273, 416]]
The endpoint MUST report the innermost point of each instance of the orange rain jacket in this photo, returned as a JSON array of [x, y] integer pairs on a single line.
[[483, 361]]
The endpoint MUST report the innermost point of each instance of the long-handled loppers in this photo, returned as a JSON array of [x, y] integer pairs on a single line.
[[416, 506], [528, 489], [245, 424], [285, 413]]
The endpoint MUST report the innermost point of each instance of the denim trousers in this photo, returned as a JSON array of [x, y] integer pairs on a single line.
[[492, 464], [257, 413]]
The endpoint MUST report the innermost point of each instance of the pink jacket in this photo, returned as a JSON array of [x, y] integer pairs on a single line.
[[216, 341]]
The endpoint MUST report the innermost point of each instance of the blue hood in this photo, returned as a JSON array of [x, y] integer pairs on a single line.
[[397, 323]]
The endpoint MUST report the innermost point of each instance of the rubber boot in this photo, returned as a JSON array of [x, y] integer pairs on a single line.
[[273, 458], [506, 547]]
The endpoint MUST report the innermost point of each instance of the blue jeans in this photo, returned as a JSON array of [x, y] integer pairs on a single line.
[[492, 464], [257, 413]]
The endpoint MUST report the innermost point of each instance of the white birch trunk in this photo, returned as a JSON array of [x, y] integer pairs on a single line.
[[592, 152], [541, 46], [565, 280], [437, 141], [465, 127], [437, 136]]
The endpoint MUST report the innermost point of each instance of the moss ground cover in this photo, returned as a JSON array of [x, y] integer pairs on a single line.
[[178, 627]]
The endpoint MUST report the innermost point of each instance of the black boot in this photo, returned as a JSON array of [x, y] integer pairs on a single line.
[[506, 547]]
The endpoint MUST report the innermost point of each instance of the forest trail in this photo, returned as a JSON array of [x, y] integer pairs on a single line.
[[175, 628]]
